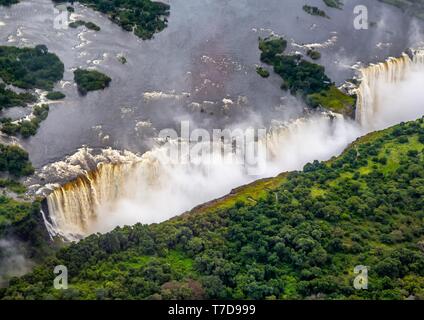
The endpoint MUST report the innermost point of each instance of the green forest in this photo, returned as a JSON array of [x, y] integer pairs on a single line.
[[303, 78], [55, 95], [338, 4], [296, 236], [30, 68], [15, 161], [90, 80], [143, 17], [21, 221]]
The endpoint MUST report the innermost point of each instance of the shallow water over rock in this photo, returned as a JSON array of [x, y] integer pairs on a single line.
[[202, 67]]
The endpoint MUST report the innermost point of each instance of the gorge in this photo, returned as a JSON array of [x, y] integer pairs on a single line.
[[211, 149], [131, 189]]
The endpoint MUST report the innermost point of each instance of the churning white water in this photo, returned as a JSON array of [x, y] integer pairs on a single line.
[[150, 188], [391, 92], [128, 188]]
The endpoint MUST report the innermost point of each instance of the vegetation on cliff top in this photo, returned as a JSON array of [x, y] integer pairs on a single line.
[[15, 161], [13, 185], [332, 99], [304, 78], [301, 237], [13, 211], [21, 226], [55, 95]]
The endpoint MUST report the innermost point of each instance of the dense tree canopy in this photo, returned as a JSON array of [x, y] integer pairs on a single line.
[[14, 160], [30, 68], [90, 80], [8, 2], [12, 211], [300, 239]]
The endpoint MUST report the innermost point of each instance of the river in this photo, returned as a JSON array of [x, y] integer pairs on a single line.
[[201, 67]]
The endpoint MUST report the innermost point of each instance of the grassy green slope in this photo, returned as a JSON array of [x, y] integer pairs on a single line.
[[298, 235]]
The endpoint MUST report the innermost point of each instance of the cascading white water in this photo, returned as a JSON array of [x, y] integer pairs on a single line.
[[377, 81], [126, 188], [75, 205], [150, 188]]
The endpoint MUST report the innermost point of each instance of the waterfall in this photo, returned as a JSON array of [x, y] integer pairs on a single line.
[[150, 188], [73, 207], [117, 188], [75, 204], [376, 76]]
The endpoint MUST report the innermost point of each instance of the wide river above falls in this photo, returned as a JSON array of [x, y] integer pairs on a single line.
[[201, 67]]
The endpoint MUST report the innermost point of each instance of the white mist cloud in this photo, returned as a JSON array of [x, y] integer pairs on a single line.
[[174, 189], [12, 261], [292, 145], [401, 101], [151, 190]]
